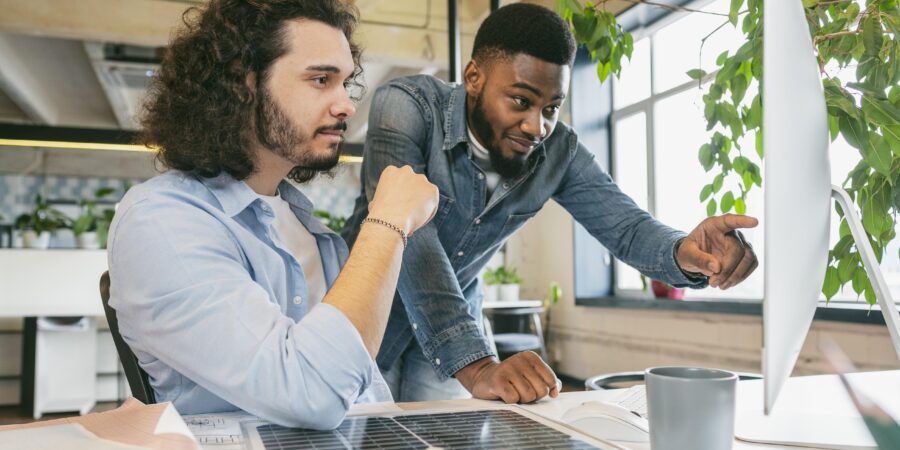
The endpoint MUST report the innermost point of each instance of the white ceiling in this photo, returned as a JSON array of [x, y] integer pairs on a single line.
[[53, 70]]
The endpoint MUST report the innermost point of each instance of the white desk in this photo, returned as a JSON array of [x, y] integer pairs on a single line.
[[818, 394], [60, 282]]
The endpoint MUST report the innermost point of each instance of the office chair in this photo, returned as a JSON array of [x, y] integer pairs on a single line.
[[138, 380]]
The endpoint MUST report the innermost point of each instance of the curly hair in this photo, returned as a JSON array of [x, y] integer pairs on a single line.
[[511, 30], [200, 112]]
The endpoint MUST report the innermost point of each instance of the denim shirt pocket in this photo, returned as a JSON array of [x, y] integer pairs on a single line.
[[445, 205]]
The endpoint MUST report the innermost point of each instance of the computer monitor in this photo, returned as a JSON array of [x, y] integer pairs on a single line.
[[797, 197], [797, 189]]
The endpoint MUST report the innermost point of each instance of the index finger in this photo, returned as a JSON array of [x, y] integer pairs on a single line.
[[730, 222]]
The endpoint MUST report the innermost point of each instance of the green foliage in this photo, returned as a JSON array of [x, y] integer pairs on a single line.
[[94, 219], [502, 275], [335, 223], [42, 218], [598, 30], [555, 293], [865, 112]]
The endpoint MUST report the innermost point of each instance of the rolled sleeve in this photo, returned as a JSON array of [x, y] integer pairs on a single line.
[[332, 343]]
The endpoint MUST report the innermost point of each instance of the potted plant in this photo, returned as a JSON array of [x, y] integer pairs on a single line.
[[491, 286], [509, 282], [664, 290], [92, 226], [335, 223], [37, 225]]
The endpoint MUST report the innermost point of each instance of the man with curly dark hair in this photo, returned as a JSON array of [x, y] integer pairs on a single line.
[[496, 150], [229, 292]]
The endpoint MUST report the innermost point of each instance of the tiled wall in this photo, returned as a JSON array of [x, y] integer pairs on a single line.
[[17, 192]]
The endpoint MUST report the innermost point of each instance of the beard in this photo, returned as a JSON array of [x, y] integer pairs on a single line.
[[282, 137], [509, 168]]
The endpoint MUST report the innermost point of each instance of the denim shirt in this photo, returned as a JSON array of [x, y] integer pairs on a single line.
[[214, 307], [421, 121]]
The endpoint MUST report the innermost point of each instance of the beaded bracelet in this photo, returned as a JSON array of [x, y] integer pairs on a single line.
[[389, 225]]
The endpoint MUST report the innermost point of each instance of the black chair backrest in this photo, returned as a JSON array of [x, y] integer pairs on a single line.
[[137, 378]]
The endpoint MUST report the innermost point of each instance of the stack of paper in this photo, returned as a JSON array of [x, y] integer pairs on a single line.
[[130, 426]]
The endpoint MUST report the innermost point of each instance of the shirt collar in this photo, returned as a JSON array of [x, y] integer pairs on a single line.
[[235, 196], [455, 129]]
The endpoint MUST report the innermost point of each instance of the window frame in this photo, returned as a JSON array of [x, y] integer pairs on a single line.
[[643, 21]]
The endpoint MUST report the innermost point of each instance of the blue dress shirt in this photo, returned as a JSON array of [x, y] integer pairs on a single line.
[[214, 307]]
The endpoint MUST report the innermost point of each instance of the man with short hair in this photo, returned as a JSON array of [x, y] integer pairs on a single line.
[[495, 148], [229, 292]]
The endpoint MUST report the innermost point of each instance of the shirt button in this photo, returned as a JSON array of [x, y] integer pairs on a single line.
[[298, 300], [460, 254], [505, 185], [477, 221], [437, 361], [415, 327], [480, 176]]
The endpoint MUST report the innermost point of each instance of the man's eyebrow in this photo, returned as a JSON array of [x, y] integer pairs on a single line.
[[323, 68], [536, 91]]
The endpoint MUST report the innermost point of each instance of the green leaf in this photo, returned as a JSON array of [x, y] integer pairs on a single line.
[[842, 248], [747, 178], [711, 207], [832, 283], [844, 231], [874, 211], [869, 293], [892, 135], [833, 128], [855, 131], [717, 182], [739, 86], [727, 202], [603, 71], [705, 192], [696, 74], [859, 281], [878, 154], [739, 206], [872, 35], [809, 3], [721, 58], [734, 10], [706, 157], [741, 164], [847, 267], [880, 111], [759, 143]]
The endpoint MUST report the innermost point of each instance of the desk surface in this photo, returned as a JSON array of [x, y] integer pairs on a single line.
[[508, 305], [822, 393]]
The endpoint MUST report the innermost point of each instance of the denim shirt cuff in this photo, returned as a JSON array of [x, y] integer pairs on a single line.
[[676, 275], [457, 347]]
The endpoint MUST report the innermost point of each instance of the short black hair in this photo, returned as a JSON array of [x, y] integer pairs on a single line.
[[524, 28]]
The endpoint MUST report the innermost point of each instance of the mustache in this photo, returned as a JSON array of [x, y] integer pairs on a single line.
[[338, 126]]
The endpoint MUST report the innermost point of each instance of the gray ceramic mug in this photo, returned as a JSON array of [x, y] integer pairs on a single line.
[[690, 408]]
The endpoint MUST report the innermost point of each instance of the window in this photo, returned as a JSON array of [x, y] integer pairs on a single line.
[[657, 126]]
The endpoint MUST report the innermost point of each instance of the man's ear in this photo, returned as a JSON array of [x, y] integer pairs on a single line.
[[474, 77], [250, 81]]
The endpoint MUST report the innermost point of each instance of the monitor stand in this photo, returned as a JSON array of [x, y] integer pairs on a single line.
[[870, 262]]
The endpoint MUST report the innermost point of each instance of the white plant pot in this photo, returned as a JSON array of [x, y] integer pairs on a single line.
[[30, 239], [88, 240], [509, 292], [490, 292]]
